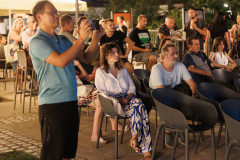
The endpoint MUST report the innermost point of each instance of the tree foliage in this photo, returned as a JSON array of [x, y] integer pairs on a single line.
[[151, 7]]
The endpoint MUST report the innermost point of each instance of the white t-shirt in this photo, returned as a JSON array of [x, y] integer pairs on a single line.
[[223, 60], [159, 76]]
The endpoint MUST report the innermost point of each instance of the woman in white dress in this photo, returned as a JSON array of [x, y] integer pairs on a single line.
[[113, 79], [219, 56]]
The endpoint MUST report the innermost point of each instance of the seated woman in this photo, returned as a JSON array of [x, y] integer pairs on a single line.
[[219, 56], [87, 94], [113, 79]]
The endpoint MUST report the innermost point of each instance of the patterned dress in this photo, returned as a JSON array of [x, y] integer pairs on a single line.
[[139, 120]]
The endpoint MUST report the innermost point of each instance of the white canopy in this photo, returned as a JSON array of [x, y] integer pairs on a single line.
[[25, 6]]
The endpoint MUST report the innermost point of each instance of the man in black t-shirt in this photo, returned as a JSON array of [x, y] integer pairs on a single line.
[[119, 38], [165, 28], [121, 27], [196, 27], [142, 51]]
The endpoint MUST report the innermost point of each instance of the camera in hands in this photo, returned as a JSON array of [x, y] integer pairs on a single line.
[[94, 25]]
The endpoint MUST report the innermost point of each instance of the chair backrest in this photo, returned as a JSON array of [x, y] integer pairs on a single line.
[[22, 58], [148, 90], [141, 74], [106, 105], [215, 92], [237, 61], [224, 77], [136, 82], [237, 84], [174, 106], [231, 112]]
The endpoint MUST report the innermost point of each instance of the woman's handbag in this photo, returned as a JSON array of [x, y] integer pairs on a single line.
[[10, 52]]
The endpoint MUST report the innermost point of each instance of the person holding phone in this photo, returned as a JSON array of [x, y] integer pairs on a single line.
[[52, 56]]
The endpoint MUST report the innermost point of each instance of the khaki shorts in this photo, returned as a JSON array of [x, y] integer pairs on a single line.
[[143, 57]]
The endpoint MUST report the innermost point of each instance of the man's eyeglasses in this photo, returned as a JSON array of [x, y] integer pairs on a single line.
[[173, 54], [52, 13]]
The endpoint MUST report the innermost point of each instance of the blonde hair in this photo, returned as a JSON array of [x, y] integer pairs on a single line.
[[15, 22]]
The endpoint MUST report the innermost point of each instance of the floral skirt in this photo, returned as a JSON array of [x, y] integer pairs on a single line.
[[86, 100]]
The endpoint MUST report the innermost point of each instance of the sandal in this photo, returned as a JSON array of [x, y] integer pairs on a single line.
[[101, 140], [135, 147]]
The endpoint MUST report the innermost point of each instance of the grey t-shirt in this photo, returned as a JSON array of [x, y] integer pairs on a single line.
[[159, 76]]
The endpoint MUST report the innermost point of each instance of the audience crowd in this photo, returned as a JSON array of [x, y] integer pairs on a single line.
[[78, 63]]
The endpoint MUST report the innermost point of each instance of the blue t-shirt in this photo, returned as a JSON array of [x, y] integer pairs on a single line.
[[56, 84], [159, 76]]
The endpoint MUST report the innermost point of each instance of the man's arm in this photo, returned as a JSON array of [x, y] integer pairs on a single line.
[[129, 46], [61, 60], [89, 54], [163, 36], [199, 71], [206, 41], [192, 86], [227, 39], [201, 31]]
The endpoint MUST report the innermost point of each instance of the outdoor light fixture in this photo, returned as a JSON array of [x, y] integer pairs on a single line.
[[225, 5]]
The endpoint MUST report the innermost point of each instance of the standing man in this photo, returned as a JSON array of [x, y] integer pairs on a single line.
[[29, 32], [142, 51], [67, 28], [196, 27], [119, 38], [165, 28], [121, 27], [52, 56]]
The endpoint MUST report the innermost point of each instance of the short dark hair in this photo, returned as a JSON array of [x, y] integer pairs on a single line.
[[189, 40], [122, 18], [108, 20], [80, 19], [39, 8], [65, 19], [106, 49]]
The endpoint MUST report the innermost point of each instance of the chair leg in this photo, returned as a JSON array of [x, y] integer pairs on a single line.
[[174, 146], [226, 140], [116, 137], [24, 88], [163, 137], [213, 144], [105, 127], [79, 110], [123, 128], [99, 129], [156, 139], [203, 136], [156, 118], [198, 140], [219, 134], [15, 96], [230, 145], [186, 144]]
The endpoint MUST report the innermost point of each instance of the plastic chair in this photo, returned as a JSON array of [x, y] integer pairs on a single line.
[[141, 74], [23, 69], [215, 94], [231, 112], [146, 99], [237, 61], [149, 92], [237, 84], [175, 108], [6, 78], [108, 111], [224, 78]]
